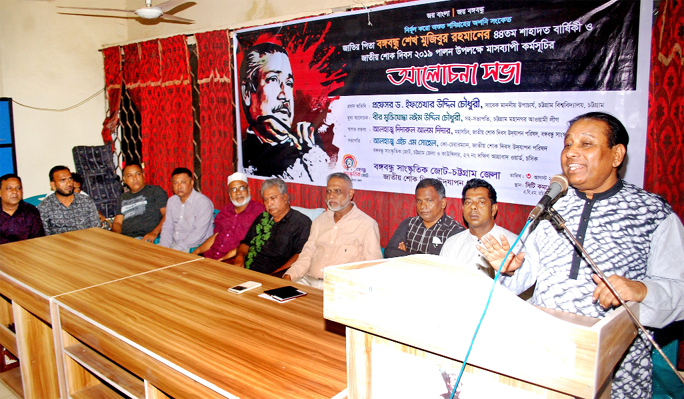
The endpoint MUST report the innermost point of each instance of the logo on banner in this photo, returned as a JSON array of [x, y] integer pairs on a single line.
[[349, 162]]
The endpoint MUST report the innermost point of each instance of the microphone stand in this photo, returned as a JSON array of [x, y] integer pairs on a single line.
[[558, 220]]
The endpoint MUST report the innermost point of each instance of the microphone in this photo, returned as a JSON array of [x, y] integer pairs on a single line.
[[559, 184]]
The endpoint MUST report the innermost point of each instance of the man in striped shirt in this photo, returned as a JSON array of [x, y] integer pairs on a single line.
[[426, 232]]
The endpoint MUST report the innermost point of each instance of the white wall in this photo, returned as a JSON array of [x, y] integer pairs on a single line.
[[51, 60], [231, 14]]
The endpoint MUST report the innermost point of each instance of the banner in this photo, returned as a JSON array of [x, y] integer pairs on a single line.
[[450, 90]]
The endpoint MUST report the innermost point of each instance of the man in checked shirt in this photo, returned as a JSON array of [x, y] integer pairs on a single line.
[[427, 232], [479, 212]]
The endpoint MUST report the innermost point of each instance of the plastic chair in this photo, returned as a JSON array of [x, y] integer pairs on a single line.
[[36, 199]]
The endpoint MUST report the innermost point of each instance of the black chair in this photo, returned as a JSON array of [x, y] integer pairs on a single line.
[[100, 181]]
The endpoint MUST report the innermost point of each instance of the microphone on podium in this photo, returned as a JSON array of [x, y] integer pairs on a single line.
[[559, 184]]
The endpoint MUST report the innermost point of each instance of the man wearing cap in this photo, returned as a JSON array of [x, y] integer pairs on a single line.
[[232, 222]]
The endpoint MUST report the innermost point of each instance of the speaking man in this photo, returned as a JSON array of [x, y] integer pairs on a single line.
[[429, 230], [631, 234], [66, 211], [273, 146], [342, 234], [189, 214], [479, 212], [18, 220]]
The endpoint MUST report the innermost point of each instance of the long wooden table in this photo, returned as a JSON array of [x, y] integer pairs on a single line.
[[150, 322], [34, 271], [180, 330]]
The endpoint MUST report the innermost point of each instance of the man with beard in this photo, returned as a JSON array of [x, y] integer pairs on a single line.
[[342, 234], [66, 211], [273, 147], [18, 220], [429, 230], [232, 222]]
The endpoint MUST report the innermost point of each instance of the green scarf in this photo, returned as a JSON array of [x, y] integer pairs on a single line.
[[263, 233]]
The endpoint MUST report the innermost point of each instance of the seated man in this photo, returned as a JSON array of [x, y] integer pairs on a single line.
[[342, 234], [78, 182], [18, 219], [232, 222], [140, 212], [66, 210], [189, 214], [276, 238], [427, 232], [479, 212]]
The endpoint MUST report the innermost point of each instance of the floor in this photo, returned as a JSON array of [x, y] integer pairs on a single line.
[[5, 393]]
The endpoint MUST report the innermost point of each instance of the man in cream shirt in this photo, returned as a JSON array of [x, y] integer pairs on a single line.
[[342, 234]]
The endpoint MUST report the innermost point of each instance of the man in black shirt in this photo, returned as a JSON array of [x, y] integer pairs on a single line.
[[277, 236]]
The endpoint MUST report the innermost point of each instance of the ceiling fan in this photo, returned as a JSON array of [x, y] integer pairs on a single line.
[[147, 12]]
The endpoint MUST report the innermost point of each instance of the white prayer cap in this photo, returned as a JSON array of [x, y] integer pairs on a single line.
[[237, 176]]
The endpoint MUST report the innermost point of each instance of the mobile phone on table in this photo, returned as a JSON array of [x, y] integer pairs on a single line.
[[246, 286]]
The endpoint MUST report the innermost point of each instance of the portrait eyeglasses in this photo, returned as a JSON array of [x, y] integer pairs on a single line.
[[236, 189]]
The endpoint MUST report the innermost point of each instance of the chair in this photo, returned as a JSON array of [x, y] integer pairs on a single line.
[[36, 199], [666, 385], [312, 214], [100, 181]]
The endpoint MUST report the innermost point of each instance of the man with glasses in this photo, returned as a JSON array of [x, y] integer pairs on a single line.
[[342, 234], [232, 222], [66, 211]]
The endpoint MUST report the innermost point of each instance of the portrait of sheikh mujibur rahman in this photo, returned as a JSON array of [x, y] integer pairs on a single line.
[[273, 147]]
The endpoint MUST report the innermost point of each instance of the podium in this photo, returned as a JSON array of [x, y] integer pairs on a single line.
[[410, 322]]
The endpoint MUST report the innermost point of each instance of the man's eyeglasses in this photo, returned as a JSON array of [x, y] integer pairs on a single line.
[[240, 189]]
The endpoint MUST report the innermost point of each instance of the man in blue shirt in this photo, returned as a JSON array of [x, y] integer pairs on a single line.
[[189, 214]]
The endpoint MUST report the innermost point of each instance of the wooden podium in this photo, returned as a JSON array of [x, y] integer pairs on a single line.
[[410, 322]]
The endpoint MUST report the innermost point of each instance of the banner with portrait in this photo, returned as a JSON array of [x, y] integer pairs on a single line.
[[450, 90]]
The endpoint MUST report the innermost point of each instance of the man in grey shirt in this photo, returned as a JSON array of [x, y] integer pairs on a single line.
[[66, 211], [140, 212]]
